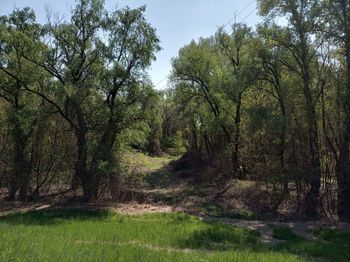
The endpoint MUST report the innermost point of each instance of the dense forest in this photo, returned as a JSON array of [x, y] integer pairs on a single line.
[[269, 104]]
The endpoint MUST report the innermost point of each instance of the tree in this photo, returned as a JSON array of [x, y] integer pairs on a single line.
[[198, 75], [16, 74], [155, 122], [241, 71], [129, 51], [301, 16], [337, 21], [271, 56], [94, 83]]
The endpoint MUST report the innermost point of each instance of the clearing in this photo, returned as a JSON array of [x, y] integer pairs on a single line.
[[175, 221]]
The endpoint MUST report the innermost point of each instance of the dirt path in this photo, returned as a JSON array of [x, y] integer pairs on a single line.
[[172, 189], [168, 191], [303, 229]]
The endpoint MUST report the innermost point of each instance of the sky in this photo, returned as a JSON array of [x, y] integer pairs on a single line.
[[177, 21]]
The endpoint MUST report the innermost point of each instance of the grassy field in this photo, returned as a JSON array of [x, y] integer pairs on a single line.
[[77, 235]]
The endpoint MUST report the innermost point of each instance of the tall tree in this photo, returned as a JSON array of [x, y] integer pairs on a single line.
[[272, 73], [337, 21], [241, 71], [301, 14], [95, 80], [18, 29], [129, 51], [71, 56], [198, 67]]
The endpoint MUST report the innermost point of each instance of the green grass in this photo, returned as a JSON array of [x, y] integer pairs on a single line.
[[333, 236], [332, 250], [143, 163], [284, 233], [77, 235]]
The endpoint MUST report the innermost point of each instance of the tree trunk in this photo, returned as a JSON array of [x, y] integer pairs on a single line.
[[235, 151], [75, 182], [207, 144], [194, 140], [313, 196], [283, 145], [13, 187], [22, 166], [80, 165], [104, 153], [81, 162], [343, 167]]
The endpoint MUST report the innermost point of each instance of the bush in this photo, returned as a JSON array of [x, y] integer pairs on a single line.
[[174, 144]]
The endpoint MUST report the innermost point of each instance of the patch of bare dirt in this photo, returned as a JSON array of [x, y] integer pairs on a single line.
[[139, 244], [124, 208], [134, 209]]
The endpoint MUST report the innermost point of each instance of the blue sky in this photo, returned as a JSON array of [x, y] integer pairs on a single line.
[[177, 21]]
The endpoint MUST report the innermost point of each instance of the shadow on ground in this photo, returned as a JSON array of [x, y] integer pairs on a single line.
[[53, 216]]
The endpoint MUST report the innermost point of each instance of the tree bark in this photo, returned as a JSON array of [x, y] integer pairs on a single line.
[[313, 196], [283, 145], [81, 162], [22, 166], [104, 153], [343, 166], [312, 201], [235, 151]]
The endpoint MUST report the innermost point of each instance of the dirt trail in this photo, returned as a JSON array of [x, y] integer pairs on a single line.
[[303, 229], [169, 188], [168, 191]]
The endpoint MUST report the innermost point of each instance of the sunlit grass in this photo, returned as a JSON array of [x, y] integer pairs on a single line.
[[76, 235], [140, 162]]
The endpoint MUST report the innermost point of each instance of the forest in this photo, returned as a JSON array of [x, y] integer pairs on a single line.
[[255, 124]]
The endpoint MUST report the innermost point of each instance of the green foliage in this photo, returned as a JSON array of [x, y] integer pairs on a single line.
[[90, 69], [175, 144], [135, 135]]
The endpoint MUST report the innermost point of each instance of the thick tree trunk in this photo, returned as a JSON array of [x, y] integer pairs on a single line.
[[343, 177], [104, 153], [13, 187], [75, 182], [22, 166], [80, 165], [154, 147], [81, 171], [89, 187], [343, 167], [313, 196], [194, 140]]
